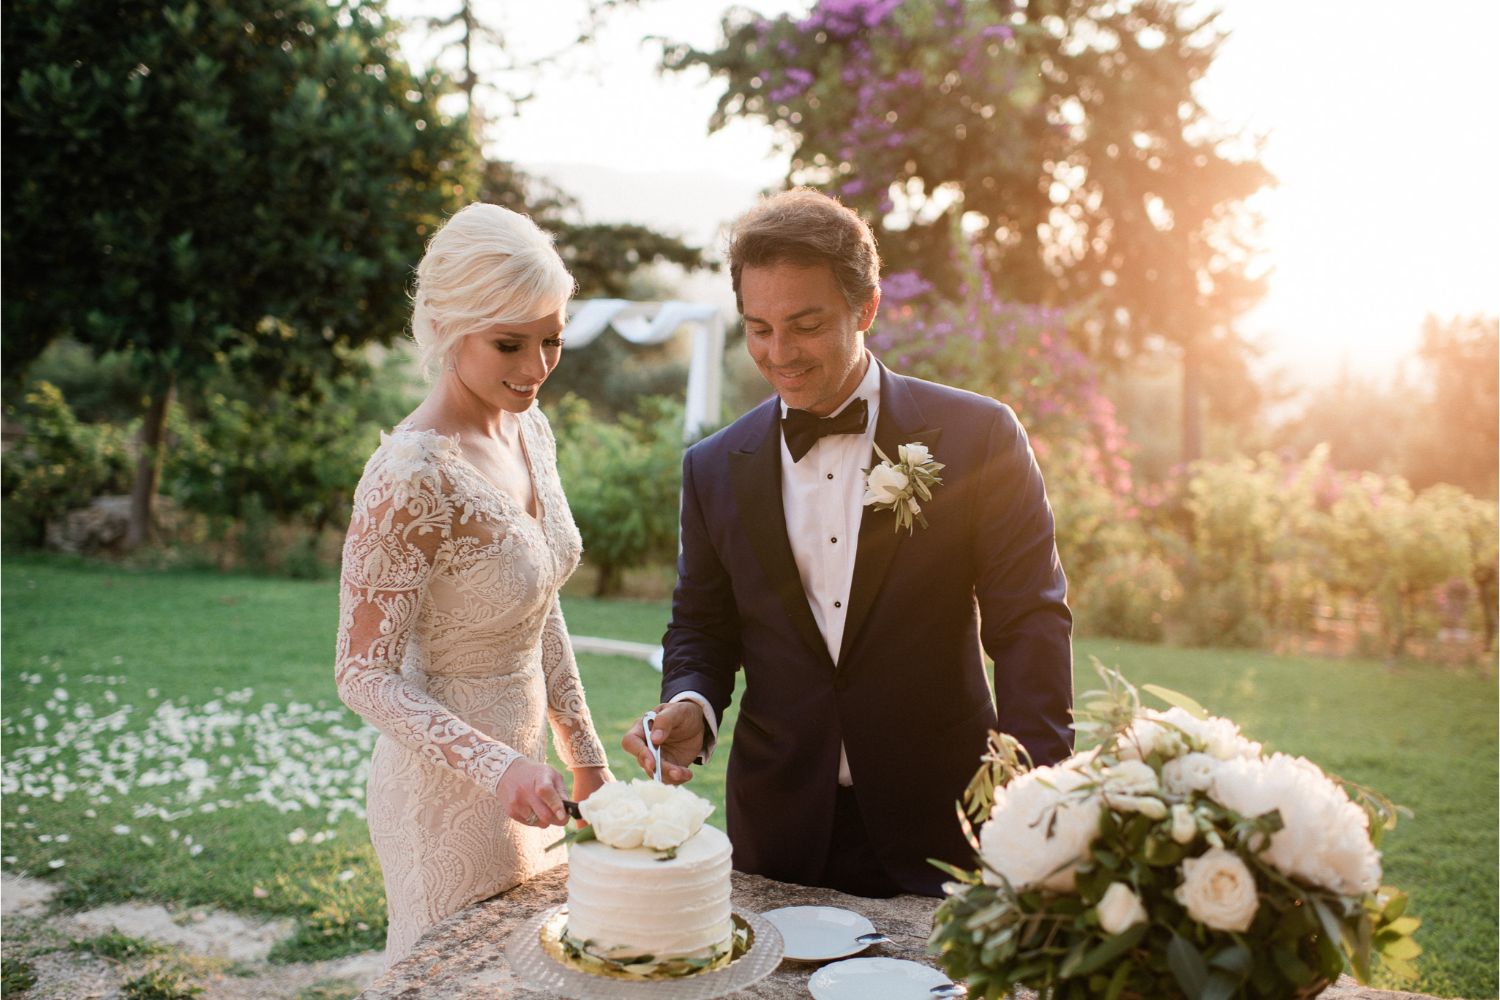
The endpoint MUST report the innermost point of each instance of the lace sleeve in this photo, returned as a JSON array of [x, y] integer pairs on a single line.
[[572, 727], [400, 527]]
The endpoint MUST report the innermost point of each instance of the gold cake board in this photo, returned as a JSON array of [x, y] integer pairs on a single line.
[[537, 956]]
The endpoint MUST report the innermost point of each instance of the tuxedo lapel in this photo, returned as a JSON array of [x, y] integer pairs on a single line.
[[755, 474], [900, 422]]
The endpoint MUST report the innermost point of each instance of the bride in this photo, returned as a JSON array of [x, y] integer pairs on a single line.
[[451, 639]]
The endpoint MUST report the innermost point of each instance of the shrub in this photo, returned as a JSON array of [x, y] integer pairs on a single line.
[[1131, 595], [623, 481], [60, 463]]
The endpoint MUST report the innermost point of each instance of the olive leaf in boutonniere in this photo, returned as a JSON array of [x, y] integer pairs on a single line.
[[903, 486]]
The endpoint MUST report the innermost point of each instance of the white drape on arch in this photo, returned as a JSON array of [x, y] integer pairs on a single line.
[[653, 323]]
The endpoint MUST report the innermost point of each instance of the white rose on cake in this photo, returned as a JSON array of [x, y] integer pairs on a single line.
[[638, 813]]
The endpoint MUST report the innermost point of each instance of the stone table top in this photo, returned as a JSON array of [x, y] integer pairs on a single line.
[[464, 956]]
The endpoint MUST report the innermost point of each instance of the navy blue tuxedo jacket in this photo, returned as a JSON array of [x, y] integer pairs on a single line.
[[907, 696]]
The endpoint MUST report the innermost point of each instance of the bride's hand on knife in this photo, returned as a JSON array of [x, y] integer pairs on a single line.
[[532, 794], [678, 731]]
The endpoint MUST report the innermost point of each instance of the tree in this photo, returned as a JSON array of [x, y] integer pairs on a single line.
[[189, 182], [1064, 134], [487, 62], [1460, 444]]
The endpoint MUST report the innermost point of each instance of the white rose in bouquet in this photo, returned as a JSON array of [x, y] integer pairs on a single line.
[[1218, 890], [1040, 828], [1192, 772], [1184, 823], [1324, 839], [885, 484], [1120, 909]]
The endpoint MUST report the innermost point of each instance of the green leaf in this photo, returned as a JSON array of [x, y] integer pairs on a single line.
[[1070, 964], [959, 874], [1187, 965], [1118, 981], [1403, 948], [1177, 698], [577, 835], [1235, 958], [1219, 987], [1403, 926], [1113, 947]]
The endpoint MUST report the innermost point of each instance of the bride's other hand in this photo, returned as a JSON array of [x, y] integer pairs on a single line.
[[678, 730], [532, 794]]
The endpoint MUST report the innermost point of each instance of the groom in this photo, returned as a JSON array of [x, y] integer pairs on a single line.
[[865, 705]]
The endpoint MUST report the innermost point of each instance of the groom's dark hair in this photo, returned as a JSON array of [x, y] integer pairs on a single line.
[[806, 228]]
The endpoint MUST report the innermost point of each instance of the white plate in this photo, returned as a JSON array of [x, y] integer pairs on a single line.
[[875, 979], [818, 933]]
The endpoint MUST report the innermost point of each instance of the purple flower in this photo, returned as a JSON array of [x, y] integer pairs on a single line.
[[903, 285]]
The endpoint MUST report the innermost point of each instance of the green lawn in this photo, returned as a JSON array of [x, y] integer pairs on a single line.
[[176, 736]]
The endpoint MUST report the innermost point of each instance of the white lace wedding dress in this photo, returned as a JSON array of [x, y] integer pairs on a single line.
[[451, 642]]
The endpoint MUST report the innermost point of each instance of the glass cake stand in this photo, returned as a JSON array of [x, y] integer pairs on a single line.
[[532, 964]]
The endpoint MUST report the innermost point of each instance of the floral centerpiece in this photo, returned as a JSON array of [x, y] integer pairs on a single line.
[[1174, 858]]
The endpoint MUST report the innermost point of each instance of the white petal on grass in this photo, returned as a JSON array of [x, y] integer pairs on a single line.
[[56, 863]]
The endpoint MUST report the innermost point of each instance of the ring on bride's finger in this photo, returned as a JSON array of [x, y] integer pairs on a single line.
[[531, 820]]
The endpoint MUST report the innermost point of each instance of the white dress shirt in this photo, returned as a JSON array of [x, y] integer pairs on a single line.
[[822, 497]]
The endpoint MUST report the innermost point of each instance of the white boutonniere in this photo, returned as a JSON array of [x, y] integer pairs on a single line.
[[903, 486]]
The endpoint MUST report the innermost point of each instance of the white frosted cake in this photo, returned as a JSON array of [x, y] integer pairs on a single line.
[[652, 890], [633, 903]]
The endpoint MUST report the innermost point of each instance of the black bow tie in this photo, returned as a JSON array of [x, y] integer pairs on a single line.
[[802, 429]]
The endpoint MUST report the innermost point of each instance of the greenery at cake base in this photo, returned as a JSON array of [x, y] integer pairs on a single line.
[[574, 953]]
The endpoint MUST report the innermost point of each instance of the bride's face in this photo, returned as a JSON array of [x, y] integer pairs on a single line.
[[504, 366]]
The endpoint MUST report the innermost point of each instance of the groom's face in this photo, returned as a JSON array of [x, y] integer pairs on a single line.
[[805, 339]]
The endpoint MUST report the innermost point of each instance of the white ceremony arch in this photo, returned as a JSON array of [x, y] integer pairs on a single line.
[[653, 323]]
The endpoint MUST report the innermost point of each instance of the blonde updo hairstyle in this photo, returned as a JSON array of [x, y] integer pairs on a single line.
[[486, 266]]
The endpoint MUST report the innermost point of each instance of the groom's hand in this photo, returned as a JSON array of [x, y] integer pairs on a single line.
[[678, 730]]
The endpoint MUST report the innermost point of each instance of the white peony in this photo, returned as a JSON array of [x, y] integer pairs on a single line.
[[885, 484], [1324, 839], [1175, 732], [1184, 824], [1192, 772], [1218, 890], [1120, 909], [638, 813], [1040, 828]]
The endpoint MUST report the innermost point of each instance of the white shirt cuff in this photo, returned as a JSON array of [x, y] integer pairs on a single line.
[[711, 739]]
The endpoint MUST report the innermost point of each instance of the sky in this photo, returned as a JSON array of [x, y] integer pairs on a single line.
[[1381, 122]]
